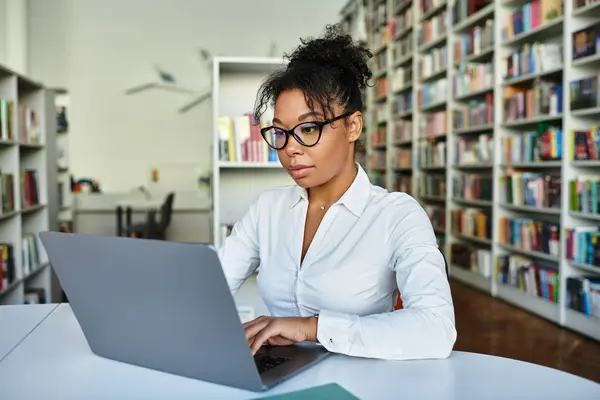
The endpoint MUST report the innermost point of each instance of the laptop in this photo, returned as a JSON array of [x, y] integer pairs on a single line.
[[165, 306]]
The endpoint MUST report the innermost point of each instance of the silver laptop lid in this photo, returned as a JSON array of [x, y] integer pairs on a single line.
[[157, 304]]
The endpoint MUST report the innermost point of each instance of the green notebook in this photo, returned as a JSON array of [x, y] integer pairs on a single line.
[[330, 391]]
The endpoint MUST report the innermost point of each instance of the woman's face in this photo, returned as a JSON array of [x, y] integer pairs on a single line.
[[316, 165]]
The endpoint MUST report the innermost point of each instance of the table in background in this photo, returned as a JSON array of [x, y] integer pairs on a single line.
[[59, 358], [16, 322]]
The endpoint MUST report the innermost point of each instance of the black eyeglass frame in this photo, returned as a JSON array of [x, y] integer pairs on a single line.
[[290, 132]]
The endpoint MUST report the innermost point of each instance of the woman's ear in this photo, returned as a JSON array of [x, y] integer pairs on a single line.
[[355, 126]]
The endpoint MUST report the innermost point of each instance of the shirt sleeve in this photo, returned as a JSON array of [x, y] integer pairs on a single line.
[[239, 253], [424, 328]]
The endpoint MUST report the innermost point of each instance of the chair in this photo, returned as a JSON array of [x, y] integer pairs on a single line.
[[153, 228]]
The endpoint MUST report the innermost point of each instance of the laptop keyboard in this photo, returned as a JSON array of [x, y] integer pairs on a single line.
[[265, 363]]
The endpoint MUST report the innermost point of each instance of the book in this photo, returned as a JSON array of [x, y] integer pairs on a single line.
[[529, 234], [471, 258], [472, 187], [330, 391], [532, 277]]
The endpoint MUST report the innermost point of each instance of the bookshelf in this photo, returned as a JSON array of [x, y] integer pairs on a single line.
[[65, 195], [504, 162], [27, 135], [242, 164]]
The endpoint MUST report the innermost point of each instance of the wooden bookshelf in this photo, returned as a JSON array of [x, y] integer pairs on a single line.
[[489, 145], [27, 134]]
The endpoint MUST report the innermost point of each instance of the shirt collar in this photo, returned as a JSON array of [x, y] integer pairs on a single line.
[[355, 198]]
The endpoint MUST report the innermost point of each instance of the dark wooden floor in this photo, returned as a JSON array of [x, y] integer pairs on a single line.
[[490, 326]]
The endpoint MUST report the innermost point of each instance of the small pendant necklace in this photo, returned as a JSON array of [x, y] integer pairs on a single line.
[[323, 207]]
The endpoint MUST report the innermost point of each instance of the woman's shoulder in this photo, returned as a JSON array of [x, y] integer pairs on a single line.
[[395, 201], [397, 207]]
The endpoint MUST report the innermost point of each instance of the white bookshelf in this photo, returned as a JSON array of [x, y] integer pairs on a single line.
[[32, 208], [235, 184], [65, 196], [383, 37]]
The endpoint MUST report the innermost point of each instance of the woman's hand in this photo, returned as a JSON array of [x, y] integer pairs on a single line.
[[280, 331]]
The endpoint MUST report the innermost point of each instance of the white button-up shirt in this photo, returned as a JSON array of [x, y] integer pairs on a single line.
[[370, 244]]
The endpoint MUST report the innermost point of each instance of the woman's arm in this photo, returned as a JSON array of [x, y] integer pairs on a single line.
[[425, 327], [239, 253]]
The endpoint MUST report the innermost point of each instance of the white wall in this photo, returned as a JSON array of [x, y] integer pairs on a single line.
[[98, 48], [3, 35]]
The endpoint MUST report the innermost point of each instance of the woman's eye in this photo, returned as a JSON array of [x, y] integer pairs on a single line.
[[309, 129]]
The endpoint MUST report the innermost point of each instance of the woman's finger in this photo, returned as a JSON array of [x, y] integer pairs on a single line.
[[254, 321], [253, 329], [272, 329]]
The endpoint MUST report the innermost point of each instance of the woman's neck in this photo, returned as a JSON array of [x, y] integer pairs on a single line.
[[330, 192]]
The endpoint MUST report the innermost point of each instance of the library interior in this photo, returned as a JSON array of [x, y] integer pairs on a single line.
[[476, 141]]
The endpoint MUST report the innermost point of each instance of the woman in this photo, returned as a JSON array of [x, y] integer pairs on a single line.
[[334, 250]]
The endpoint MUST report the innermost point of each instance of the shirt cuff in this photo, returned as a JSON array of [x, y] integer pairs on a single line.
[[334, 330]]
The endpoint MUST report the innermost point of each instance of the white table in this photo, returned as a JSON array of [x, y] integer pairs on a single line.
[[16, 322], [56, 362]]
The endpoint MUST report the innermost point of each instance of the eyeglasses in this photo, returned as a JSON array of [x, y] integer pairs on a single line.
[[306, 133]]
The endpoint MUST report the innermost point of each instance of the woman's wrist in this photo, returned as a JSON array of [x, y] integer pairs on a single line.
[[312, 328]]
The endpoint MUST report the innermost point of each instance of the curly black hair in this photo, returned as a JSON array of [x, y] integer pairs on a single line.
[[329, 70]]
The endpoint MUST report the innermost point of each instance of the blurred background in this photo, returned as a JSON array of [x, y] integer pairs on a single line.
[[130, 118]]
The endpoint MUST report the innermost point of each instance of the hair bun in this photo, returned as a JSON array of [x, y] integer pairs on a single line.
[[334, 49]]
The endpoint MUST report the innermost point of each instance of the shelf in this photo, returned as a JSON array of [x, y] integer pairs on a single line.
[[13, 285], [538, 165], [434, 106], [586, 61], [473, 166], [532, 121], [586, 112], [485, 241], [403, 33], [471, 278], [433, 11], [586, 163], [530, 253], [549, 29], [8, 215], [476, 93], [474, 18], [582, 215], [402, 88], [7, 143], [432, 198], [250, 165], [476, 203], [587, 325], [531, 209], [402, 143], [404, 114], [434, 43], [531, 77], [32, 146], [31, 209], [435, 75], [403, 60], [585, 267], [402, 6], [482, 55], [590, 10], [539, 306], [433, 167], [439, 136], [475, 129]]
